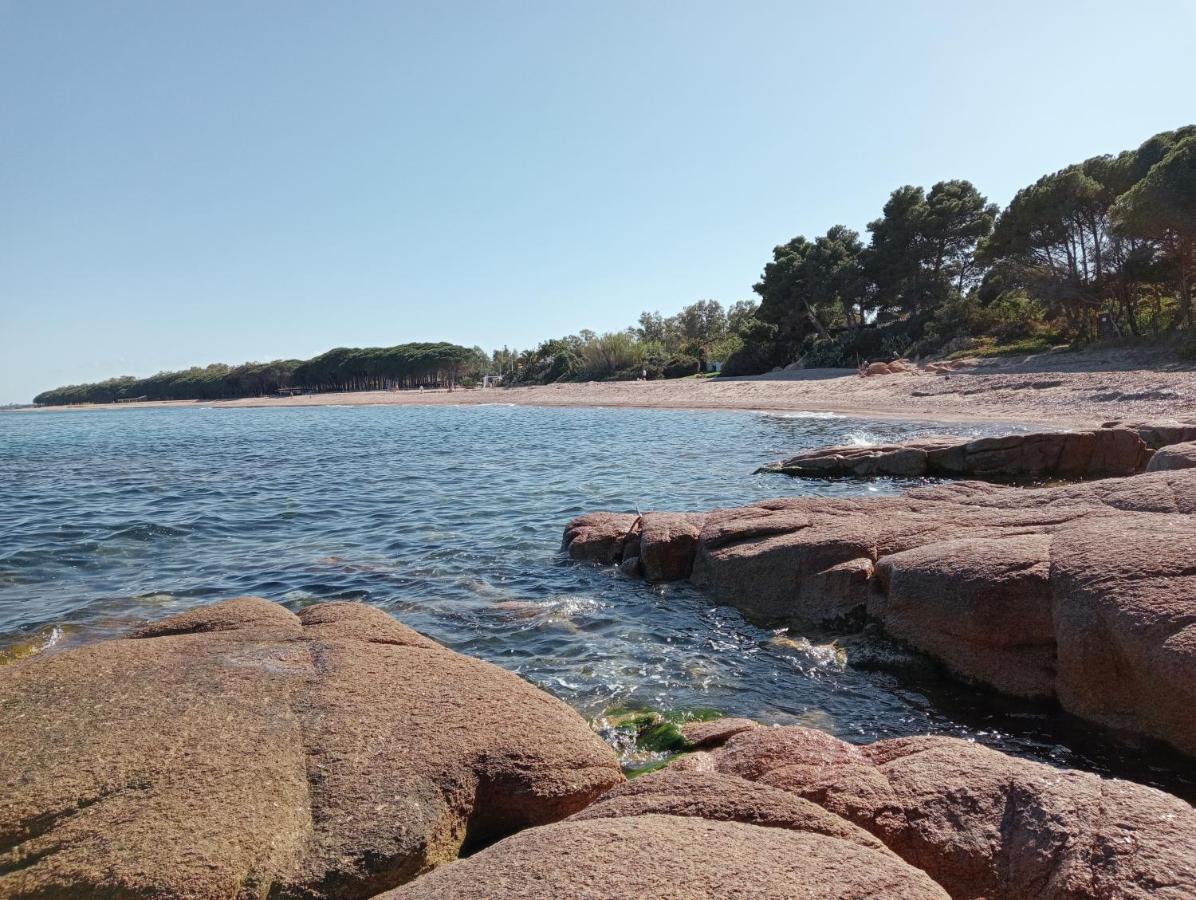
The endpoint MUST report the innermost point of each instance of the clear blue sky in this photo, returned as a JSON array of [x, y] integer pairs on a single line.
[[189, 182]]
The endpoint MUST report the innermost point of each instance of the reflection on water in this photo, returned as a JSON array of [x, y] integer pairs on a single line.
[[450, 518]]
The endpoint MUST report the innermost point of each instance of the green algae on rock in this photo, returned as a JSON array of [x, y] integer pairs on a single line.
[[46, 638], [648, 739]]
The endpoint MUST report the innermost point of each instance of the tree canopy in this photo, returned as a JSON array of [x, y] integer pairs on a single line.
[[342, 369], [1102, 247]]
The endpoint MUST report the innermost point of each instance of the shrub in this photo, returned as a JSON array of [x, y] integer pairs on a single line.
[[724, 348], [608, 354], [828, 353], [681, 366], [1006, 318], [1024, 347], [753, 359]]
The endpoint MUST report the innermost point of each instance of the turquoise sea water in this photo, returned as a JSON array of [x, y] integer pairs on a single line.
[[451, 518]]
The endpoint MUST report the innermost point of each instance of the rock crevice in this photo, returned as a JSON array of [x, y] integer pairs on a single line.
[[793, 812], [982, 823]]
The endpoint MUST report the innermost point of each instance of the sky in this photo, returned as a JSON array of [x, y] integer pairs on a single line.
[[190, 182]]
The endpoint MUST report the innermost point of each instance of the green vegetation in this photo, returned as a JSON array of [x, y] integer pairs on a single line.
[[1101, 250], [985, 347], [342, 369], [657, 735], [655, 766], [656, 732], [650, 739], [673, 347]]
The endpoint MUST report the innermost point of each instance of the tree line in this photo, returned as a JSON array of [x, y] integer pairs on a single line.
[[341, 369], [658, 347], [1103, 248]]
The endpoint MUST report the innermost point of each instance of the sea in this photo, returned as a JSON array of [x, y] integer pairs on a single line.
[[450, 518]]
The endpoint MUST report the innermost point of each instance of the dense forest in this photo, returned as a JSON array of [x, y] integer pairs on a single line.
[[1102, 249], [342, 369]]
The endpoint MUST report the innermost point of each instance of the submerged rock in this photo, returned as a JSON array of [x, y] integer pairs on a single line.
[[646, 736], [648, 730], [630, 566], [46, 638], [242, 750], [1085, 593], [981, 823]]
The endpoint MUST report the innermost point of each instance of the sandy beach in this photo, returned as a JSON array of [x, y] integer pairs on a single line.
[[1058, 389]]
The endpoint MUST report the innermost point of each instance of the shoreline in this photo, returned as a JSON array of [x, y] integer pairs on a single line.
[[1005, 392], [440, 397]]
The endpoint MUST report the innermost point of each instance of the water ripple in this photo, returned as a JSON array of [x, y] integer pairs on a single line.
[[450, 518]]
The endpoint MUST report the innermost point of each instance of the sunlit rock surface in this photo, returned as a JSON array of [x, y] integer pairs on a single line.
[[1085, 592], [643, 854], [980, 822], [1100, 453], [241, 750], [1174, 456], [794, 812]]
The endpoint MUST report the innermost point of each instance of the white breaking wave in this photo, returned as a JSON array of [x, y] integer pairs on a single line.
[[803, 414]]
